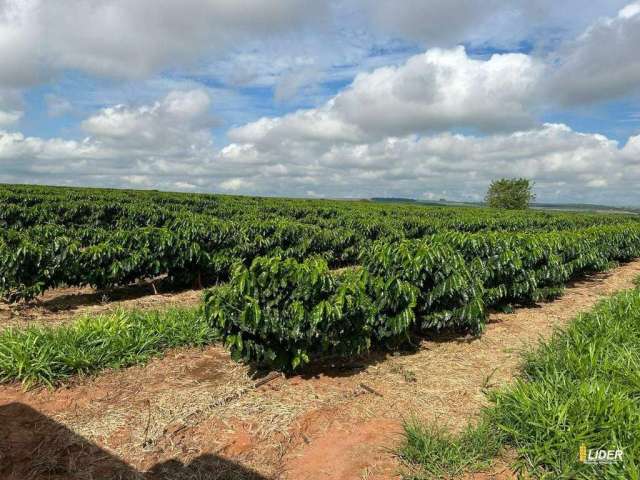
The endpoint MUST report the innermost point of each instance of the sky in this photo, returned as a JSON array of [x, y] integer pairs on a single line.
[[425, 99]]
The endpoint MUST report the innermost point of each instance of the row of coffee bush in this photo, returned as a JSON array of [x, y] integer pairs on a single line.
[[284, 313]]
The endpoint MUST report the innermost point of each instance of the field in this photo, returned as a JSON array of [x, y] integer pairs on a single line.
[[205, 336]]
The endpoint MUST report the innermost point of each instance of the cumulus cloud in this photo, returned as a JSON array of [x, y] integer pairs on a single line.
[[391, 131], [20, 50], [126, 145], [443, 89], [120, 38], [602, 63], [27, 157], [117, 38], [180, 120], [587, 61], [631, 150], [437, 90], [565, 165]]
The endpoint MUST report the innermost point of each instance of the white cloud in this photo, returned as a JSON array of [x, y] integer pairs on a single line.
[[566, 165], [379, 136], [177, 122], [120, 38], [20, 48], [437, 90], [460, 165], [235, 184], [148, 145], [629, 11], [439, 124], [631, 150], [443, 89], [587, 60], [32, 154], [602, 63]]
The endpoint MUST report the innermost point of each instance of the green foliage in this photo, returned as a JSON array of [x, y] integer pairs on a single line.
[[422, 268], [49, 355], [53, 237], [283, 313], [268, 311], [510, 193], [529, 267], [448, 295]]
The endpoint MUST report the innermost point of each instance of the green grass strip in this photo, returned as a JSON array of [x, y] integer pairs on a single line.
[[580, 387], [49, 355]]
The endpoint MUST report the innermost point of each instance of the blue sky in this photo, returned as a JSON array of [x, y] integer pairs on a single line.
[[346, 98]]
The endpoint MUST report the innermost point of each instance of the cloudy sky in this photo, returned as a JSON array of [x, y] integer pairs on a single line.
[[346, 98]]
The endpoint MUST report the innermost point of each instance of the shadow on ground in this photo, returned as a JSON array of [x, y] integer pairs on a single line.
[[74, 298], [35, 447]]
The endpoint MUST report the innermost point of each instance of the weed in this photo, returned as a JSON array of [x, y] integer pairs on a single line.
[[440, 454], [49, 355]]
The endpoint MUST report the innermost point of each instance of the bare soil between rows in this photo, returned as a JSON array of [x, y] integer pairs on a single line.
[[195, 413], [63, 305]]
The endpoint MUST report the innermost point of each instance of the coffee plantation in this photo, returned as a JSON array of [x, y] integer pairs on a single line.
[[297, 280]]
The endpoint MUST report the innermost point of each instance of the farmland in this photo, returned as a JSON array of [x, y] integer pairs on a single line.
[[287, 285], [401, 269], [53, 237]]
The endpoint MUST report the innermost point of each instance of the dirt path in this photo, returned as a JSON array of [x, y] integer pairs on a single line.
[[338, 423]]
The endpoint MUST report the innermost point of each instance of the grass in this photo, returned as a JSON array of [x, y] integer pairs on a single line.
[[50, 355], [438, 454], [580, 387]]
